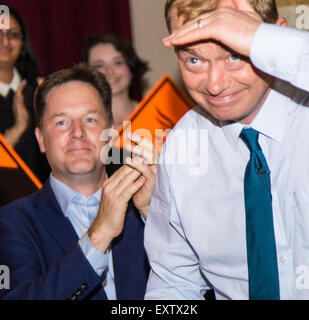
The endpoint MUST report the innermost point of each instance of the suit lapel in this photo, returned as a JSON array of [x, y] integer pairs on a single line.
[[53, 219]]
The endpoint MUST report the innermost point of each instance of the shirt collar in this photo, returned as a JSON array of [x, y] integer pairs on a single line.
[[66, 195], [6, 87], [270, 121]]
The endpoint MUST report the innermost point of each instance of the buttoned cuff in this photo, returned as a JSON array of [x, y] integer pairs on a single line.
[[97, 259], [278, 50]]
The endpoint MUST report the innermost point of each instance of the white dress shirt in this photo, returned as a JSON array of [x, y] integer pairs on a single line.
[[195, 232], [81, 211]]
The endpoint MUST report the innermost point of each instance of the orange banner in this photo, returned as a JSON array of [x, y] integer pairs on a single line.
[[10, 159], [6, 160], [159, 111]]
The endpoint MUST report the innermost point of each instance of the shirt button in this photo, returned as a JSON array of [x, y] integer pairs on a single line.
[[282, 259]]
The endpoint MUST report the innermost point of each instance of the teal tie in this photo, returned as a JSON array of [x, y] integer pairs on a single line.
[[261, 246]]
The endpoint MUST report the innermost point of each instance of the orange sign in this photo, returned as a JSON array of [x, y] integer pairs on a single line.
[[6, 161], [159, 111], [16, 179]]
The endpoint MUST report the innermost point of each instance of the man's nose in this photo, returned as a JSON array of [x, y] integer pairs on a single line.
[[78, 131], [218, 80]]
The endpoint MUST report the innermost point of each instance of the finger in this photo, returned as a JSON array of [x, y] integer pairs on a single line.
[[129, 185], [19, 91], [143, 148], [114, 179], [126, 180], [167, 41], [148, 155], [192, 31], [140, 140], [141, 167], [131, 189], [21, 86], [19, 97]]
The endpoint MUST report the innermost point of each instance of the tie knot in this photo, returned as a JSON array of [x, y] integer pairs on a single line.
[[250, 137]]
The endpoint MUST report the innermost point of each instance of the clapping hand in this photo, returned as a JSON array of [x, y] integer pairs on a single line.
[[144, 160], [21, 116]]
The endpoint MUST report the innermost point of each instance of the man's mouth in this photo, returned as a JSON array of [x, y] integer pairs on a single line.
[[223, 100], [78, 149]]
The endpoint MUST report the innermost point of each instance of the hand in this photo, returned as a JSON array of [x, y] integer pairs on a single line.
[[21, 116], [144, 160], [116, 193], [233, 27]]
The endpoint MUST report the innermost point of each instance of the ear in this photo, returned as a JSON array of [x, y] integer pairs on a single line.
[[282, 22], [40, 139]]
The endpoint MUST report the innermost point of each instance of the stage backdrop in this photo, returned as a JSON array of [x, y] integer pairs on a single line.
[[59, 28]]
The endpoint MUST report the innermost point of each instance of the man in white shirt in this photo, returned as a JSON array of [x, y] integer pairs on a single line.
[[231, 58]]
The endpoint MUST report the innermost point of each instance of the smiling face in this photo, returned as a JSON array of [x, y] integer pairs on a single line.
[[106, 59], [10, 48], [224, 84], [70, 136]]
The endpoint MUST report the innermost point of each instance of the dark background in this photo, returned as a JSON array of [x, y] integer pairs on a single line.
[[58, 29]]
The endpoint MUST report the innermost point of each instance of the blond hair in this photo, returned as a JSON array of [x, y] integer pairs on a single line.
[[191, 9]]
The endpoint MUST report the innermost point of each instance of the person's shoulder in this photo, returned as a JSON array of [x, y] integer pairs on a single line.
[[17, 209]]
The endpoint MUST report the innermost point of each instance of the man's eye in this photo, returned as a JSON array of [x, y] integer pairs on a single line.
[[194, 61], [234, 58], [91, 120], [60, 123]]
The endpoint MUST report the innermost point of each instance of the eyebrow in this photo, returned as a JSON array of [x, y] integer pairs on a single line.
[[225, 51], [186, 49], [63, 114], [191, 51]]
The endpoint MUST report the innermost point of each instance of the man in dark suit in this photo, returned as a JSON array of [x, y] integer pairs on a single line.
[[81, 235]]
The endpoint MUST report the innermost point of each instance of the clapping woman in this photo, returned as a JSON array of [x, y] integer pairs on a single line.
[[18, 80]]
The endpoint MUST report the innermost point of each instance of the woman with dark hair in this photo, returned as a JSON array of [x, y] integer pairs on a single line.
[[18, 81], [115, 57]]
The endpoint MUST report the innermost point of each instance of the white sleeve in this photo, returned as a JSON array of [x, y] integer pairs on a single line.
[[175, 273], [283, 53]]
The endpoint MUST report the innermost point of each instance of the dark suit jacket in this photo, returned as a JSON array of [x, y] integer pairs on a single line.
[[39, 245]]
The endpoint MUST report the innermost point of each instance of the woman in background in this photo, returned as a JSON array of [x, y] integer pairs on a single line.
[[115, 57], [18, 81]]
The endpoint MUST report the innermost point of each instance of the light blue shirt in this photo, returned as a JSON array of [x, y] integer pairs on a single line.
[[81, 211], [197, 212]]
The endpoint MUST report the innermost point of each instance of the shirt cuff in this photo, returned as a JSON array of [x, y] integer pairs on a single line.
[[276, 50], [97, 259], [141, 215]]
